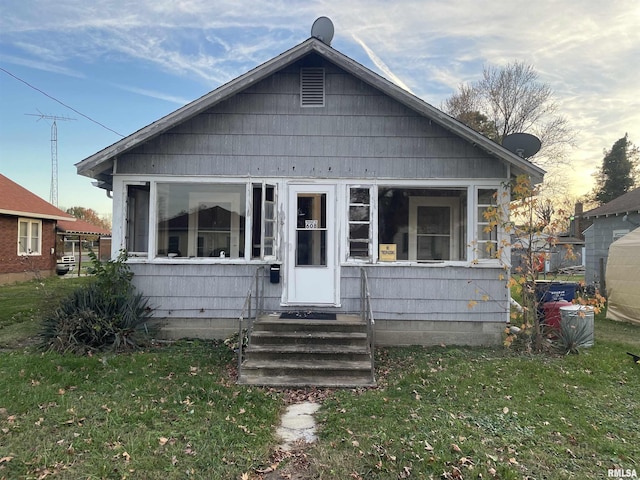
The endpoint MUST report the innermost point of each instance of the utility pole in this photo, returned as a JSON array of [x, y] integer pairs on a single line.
[[53, 193]]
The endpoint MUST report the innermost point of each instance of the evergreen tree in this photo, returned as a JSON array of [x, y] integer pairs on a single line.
[[616, 176]]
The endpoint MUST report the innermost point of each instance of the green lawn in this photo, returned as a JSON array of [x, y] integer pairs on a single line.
[[461, 413], [174, 411], [21, 305]]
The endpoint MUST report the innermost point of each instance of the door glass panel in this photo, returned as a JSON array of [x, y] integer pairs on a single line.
[[311, 229]]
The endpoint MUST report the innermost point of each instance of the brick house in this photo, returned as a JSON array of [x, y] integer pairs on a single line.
[[27, 233]]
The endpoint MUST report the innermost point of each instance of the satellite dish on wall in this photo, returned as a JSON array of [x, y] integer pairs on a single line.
[[524, 145], [322, 29]]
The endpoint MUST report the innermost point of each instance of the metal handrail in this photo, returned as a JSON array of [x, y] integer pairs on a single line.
[[366, 314], [252, 314]]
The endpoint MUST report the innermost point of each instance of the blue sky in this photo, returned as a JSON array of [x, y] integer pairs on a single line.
[[125, 64]]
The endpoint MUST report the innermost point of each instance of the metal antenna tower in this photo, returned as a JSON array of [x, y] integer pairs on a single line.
[[53, 193]]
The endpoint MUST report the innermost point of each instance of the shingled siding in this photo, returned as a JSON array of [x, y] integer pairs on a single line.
[[598, 239], [412, 305], [263, 131], [432, 305]]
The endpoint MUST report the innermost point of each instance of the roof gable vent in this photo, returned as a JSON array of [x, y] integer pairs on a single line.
[[312, 87]]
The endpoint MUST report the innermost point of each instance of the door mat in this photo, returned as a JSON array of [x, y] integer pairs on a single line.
[[307, 315]]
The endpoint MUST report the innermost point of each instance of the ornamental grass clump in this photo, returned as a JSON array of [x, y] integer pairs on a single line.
[[573, 335], [106, 313]]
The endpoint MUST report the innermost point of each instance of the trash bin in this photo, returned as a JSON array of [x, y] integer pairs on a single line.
[[578, 317], [553, 291], [552, 313]]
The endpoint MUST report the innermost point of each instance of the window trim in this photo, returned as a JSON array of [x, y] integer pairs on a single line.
[[462, 186], [454, 218], [348, 204], [30, 222], [342, 217], [119, 232], [264, 186], [127, 210], [502, 238]]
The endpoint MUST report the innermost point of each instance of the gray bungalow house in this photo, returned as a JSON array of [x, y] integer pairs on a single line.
[[307, 171], [611, 221]]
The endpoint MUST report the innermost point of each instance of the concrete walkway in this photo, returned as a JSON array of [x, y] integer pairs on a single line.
[[297, 424]]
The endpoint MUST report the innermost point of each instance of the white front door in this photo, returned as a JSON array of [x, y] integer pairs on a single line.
[[311, 256]]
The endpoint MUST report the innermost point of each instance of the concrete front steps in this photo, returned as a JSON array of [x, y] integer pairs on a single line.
[[308, 352]]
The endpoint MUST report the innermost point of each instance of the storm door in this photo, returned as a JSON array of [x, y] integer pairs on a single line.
[[312, 269]]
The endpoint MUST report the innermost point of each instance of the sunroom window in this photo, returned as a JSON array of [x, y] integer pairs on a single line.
[[359, 222], [424, 224], [201, 220], [137, 228], [487, 234], [263, 221]]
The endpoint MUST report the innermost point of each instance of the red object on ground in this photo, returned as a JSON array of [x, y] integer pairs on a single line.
[[552, 313]]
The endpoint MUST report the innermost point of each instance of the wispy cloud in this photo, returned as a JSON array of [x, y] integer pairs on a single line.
[[40, 65], [381, 65], [586, 51], [181, 101]]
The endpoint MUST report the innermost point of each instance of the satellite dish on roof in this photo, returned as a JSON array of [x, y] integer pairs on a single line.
[[322, 29], [524, 145]]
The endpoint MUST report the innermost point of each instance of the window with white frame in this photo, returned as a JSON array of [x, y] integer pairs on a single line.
[[29, 236], [359, 219], [487, 228], [424, 224], [263, 234], [137, 220], [200, 220]]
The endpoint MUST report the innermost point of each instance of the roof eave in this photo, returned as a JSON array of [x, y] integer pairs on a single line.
[[610, 214], [43, 216]]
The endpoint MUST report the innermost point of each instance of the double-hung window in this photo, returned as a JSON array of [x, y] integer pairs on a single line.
[[29, 236]]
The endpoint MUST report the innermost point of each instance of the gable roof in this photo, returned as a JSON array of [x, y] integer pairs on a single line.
[[100, 164], [18, 201], [627, 203], [80, 227]]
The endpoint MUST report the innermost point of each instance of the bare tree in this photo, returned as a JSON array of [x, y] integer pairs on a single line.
[[511, 99]]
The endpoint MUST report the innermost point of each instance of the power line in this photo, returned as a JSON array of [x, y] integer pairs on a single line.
[[60, 102]]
